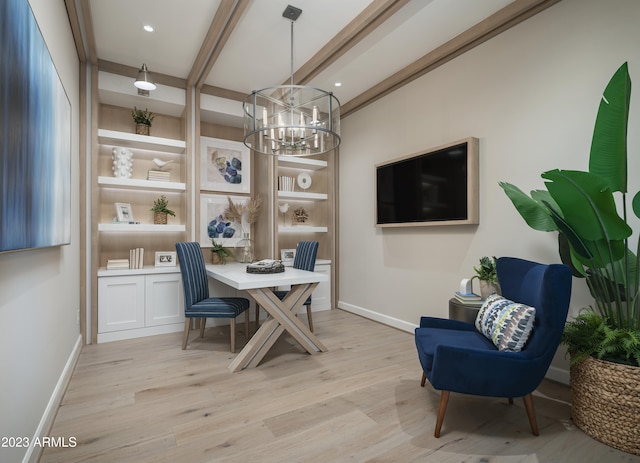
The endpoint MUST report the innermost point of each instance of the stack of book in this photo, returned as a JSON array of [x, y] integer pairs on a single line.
[[136, 258], [114, 264], [285, 183], [159, 175], [470, 299]]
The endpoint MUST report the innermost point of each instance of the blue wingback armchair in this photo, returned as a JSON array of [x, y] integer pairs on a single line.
[[456, 357]]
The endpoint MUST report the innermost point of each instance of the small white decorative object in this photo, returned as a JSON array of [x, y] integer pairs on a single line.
[[160, 163], [122, 162], [465, 286], [304, 180]]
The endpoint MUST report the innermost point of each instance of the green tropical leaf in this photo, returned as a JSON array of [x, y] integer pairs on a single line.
[[533, 212], [635, 204], [608, 157], [587, 205]]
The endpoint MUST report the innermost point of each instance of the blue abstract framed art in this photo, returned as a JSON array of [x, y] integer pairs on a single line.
[[35, 137]]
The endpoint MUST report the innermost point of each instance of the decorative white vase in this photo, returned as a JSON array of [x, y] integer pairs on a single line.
[[122, 162]]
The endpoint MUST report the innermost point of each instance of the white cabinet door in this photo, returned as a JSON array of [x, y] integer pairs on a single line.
[[164, 301], [321, 299], [121, 303]]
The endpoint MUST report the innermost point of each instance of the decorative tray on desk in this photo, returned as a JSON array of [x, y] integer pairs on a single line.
[[266, 266]]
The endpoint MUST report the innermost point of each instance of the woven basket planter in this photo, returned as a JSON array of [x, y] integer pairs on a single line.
[[160, 218], [606, 403], [143, 129]]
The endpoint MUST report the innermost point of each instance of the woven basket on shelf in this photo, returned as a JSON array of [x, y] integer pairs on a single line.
[[606, 402], [160, 218], [142, 129]]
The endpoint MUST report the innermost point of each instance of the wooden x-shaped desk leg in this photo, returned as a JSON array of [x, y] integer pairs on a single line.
[[282, 317]]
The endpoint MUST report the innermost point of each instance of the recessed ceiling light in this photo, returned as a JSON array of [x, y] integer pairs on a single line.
[[338, 84], [148, 27]]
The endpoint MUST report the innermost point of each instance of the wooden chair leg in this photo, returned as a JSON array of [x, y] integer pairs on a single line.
[[203, 323], [531, 413], [233, 335], [246, 324], [185, 336], [423, 380], [444, 399], [309, 318]]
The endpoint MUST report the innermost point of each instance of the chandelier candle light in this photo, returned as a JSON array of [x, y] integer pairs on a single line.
[[291, 120]]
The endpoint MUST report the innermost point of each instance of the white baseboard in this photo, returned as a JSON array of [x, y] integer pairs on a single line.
[[141, 332], [558, 374], [46, 422], [554, 373], [378, 317]]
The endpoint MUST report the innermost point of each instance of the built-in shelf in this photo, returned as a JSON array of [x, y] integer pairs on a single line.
[[302, 195], [140, 227], [303, 229], [139, 184], [146, 270], [301, 163], [146, 142]]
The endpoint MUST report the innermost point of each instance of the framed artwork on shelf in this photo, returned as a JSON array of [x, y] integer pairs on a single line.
[[124, 212], [287, 255], [165, 259], [225, 165], [213, 222]]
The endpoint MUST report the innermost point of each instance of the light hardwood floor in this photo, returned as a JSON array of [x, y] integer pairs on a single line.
[[146, 400]]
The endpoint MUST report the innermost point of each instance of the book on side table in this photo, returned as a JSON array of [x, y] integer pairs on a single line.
[[470, 299]]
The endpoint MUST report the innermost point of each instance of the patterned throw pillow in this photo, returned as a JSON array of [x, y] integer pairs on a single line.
[[506, 323]]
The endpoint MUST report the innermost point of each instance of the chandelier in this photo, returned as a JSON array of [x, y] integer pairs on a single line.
[[291, 120]]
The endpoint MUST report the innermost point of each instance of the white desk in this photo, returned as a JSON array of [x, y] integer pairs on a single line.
[[282, 313]]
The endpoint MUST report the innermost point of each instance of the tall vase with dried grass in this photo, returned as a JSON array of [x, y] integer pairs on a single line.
[[245, 214]]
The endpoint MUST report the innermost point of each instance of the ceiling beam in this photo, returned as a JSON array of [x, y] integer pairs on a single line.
[[362, 25], [504, 19], [224, 22]]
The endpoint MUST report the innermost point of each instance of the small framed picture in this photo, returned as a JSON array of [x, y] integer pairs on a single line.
[[124, 212], [287, 255], [165, 259]]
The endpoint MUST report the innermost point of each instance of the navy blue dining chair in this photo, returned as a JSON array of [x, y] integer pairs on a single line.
[[197, 303], [305, 259], [461, 357]]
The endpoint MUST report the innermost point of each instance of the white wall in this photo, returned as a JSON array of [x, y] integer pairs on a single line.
[[531, 96], [39, 289]]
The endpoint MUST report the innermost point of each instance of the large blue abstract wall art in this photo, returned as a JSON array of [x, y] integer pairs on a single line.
[[35, 137]]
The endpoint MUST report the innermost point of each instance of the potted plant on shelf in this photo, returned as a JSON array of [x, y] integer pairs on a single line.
[[143, 120], [604, 340], [219, 253], [486, 273], [160, 210]]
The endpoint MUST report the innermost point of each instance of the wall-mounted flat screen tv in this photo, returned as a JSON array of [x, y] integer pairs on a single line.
[[434, 187]]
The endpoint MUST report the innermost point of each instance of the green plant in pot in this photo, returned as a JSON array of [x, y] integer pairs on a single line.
[[160, 210], [143, 120], [594, 240], [219, 252], [487, 275]]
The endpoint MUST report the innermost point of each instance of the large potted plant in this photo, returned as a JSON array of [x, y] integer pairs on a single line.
[[594, 240]]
